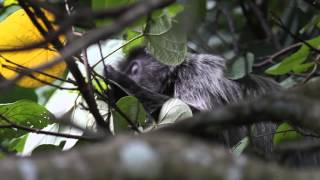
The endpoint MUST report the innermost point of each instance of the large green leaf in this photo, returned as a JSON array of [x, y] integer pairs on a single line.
[[23, 112], [167, 38], [300, 68], [296, 59], [169, 45], [169, 48], [133, 109], [159, 25]]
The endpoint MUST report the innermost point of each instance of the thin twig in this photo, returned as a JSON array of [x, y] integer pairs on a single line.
[[84, 88], [271, 58], [35, 71], [38, 131], [310, 75], [21, 71], [279, 22]]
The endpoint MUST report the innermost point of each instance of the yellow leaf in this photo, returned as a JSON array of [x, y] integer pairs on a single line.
[[17, 30]]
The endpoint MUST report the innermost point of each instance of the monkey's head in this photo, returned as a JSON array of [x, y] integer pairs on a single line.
[[142, 76], [145, 70]]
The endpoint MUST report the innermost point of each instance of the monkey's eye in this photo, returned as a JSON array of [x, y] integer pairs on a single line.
[[134, 69]]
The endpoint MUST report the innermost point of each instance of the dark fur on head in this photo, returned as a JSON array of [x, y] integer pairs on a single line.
[[145, 70]]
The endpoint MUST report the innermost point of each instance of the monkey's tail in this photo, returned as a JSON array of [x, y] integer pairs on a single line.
[[254, 86]]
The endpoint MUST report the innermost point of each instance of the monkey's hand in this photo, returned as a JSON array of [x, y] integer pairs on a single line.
[[152, 101], [122, 81], [119, 79], [112, 74]]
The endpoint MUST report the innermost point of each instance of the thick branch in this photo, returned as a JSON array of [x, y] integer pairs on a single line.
[[157, 156]]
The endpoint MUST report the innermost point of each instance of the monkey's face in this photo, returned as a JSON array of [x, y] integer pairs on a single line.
[[146, 71]]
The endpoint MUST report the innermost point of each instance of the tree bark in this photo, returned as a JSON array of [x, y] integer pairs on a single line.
[[156, 156]]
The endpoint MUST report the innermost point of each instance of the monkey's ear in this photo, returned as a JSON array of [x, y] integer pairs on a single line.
[[136, 52]]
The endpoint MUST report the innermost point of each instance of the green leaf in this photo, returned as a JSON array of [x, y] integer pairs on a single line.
[[174, 9], [284, 133], [103, 4], [100, 84], [47, 148], [288, 63], [133, 109], [16, 93], [241, 67], [23, 112], [174, 110], [17, 144], [135, 41], [159, 25], [302, 67], [169, 48], [295, 59], [240, 146]]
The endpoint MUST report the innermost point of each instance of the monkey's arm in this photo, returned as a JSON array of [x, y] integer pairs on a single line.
[[151, 101]]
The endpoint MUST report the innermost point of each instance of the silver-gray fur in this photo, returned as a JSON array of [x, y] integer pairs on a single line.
[[205, 75], [199, 81]]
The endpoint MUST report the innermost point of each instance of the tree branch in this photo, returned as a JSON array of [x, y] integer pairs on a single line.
[[298, 106], [157, 156]]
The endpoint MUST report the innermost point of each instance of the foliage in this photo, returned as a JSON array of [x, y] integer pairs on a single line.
[[25, 113], [132, 109], [296, 61], [232, 29]]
